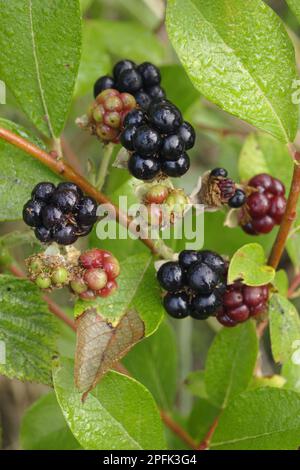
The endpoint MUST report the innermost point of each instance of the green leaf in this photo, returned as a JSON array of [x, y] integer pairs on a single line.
[[281, 282], [293, 242], [261, 153], [153, 362], [140, 44], [295, 7], [28, 331], [284, 328], [120, 414], [138, 290], [39, 58], [201, 418], [264, 419], [178, 86], [248, 265], [232, 50], [95, 60], [230, 363], [19, 174], [195, 383], [291, 372], [44, 427]]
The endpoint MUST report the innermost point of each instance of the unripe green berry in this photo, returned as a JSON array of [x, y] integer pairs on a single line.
[[112, 119], [78, 285], [95, 278], [36, 266], [43, 282], [176, 201], [60, 276], [107, 133], [98, 114], [113, 103]]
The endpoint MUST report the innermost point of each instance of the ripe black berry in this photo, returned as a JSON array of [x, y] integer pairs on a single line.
[[188, 257], [156, 92], [219, 172], [201, 278], [143, 168], [43, 191], [126, 138], [65, 235], [32, 213], [103, 83], [136, 117], [187, 133], [177, 167], [143, 99], [121, 66], [146, 141], [129, 80], [150, 74], [87, 209], [165, 118], [68, 185], [65, 199], [238, 199], [172, 147], [51, 216], [177, 305], [213, 260], [205, 305], [43, 234], [170, 276]]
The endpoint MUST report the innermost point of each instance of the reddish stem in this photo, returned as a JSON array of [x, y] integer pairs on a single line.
[[205, 443], [178, 430]]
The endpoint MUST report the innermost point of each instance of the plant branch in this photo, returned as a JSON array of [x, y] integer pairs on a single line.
[[53, 307], [221, 131], [204, 444], [108, 150], [178, 430], [65, 170]]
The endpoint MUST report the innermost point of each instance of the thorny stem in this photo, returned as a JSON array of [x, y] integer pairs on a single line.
[[108, 150], [65, 170]]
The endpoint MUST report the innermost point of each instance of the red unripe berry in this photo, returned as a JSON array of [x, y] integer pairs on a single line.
[[253, 295], [105, 94], [262, 181], [111, 267], [113, 103], [263, 225], [92, 258], [258, 205], [232, 299], [258, 309], [277, 209], [239, 314], [128, 101], [95, 278], [109, 289], [157, 194], [277, 187]]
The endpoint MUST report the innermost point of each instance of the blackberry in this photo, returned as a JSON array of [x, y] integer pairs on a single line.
[[62, 217], [166, 118], [129, 80], [195, 284], [122, 65], [103, 83], [177, 305], [143, 99], [177, 167], [172, 147], [127, 137], [264, 207], [238, 199], [146, 141], [150, 74], [219, 172], [187, 134], [143, 168], [136, 117], [170, 276], [156, 92]]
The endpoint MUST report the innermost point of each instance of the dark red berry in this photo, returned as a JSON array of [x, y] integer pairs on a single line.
[[277, 187], [239, 314], [263, 225], [258, 205], [233, 299], [277, 208], [262, 181]]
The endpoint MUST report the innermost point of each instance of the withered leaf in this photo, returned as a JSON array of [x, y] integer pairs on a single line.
[[100, 344]]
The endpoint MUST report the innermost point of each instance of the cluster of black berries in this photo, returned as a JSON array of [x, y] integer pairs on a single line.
[[195, 284], [265, 206], [142, 81], [229, 194], [241, 302], [158, 141], [60, 214]]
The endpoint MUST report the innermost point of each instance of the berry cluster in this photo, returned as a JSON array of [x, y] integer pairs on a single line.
[[265, 206], [106, 114], [142, 81], [195, 284], [240, 302], [96, 276], [229, 194], [158, 141], [60, 214], [48, 272], [164, 204]]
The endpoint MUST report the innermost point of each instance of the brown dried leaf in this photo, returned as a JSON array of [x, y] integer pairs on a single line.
[[100, 344]]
